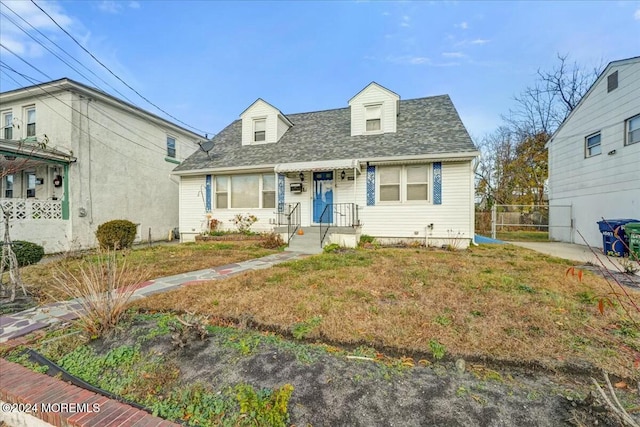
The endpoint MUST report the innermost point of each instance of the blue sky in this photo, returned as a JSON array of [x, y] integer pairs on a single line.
[[205, 62]]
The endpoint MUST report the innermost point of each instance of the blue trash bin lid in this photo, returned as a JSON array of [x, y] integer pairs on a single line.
[[609, 224]]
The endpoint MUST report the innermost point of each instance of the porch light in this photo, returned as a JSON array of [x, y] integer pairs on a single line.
[[301, 176], [342, 174]]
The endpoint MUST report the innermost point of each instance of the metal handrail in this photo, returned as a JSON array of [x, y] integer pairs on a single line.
[[342, 215], [291, 217]]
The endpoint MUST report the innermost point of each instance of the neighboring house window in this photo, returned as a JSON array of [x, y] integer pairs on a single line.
[[8, 186], [7, 125], [268, 191], [593, 147], [633, 130], [612, 81], [373, 115], [402, 184], [222, 188], [259, 130], [245, 191], [31, 184], [171, 147], [31, 121]]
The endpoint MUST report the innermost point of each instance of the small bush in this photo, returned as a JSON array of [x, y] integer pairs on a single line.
[[214, 224], [116, 234], [272, 241], [27, 253], [331, 247], [244, 222]]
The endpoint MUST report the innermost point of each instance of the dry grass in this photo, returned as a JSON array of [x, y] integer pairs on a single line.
[[500, 302], [157, 261], [102, 288]]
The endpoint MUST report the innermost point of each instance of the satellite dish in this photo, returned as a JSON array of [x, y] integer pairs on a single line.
[[206, 146]]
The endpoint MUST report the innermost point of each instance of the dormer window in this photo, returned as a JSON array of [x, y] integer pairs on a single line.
[[373, 114], [259, 130]]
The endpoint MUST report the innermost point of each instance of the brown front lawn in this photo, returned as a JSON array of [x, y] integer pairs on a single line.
[[501, 303]]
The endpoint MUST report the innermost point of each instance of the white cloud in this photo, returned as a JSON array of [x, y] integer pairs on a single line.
[[453, 54], [115, 7], [405, 59], [636, 15], [15, 39], [110, 6], [464, 25], [405, 21], [480, 41]]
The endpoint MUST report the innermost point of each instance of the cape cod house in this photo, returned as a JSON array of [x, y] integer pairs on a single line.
[[594, 157], [73, 157], [389, 168]]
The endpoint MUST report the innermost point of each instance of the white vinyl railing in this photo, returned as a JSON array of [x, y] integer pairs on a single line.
[[31, 209]]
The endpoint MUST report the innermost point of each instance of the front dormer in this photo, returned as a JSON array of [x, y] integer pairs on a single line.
[[374, 111], [262, 123]]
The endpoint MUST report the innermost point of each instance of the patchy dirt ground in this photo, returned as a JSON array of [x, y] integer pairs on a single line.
[[333, 387]]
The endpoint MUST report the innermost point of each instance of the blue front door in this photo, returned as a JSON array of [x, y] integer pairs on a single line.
[[322, 196]]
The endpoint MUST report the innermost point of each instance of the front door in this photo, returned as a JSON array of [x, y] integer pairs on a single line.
[[322, 196]]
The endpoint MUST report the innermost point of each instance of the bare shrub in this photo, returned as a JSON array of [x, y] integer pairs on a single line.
[[102, 286], [272, 240]]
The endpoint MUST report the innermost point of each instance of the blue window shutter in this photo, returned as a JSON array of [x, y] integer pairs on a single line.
[[280, 192], [437, 183], [207, 191], [371, 185]]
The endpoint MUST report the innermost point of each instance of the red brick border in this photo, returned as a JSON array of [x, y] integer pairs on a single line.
[[21, 385]]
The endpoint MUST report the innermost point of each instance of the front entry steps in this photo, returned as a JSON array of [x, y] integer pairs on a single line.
[[308, 243]]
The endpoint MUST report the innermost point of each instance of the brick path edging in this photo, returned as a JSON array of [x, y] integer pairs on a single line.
[[23, 386]]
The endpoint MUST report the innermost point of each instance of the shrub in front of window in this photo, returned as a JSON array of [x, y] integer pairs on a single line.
[[27, 253], [116, 234], [244, 222]]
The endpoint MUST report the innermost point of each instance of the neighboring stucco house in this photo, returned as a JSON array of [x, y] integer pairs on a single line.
[[392, 169], [74, 157], [594, 156]]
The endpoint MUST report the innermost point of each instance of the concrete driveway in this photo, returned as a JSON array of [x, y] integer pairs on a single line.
[[575, 252]]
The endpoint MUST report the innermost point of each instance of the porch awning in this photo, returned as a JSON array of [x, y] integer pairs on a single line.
[[321, 165]]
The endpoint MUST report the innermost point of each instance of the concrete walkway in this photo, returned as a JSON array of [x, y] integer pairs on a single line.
[[24, 322], [580, 253]]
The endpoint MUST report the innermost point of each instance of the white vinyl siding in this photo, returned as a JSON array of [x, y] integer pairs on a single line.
[[263, 121], [192, 206], [373, 95], [410, 220]]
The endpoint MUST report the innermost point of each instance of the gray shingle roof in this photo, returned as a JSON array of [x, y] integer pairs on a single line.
[[425, 126]]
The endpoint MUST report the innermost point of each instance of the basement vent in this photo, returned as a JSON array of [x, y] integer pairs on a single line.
[[612, 81]]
